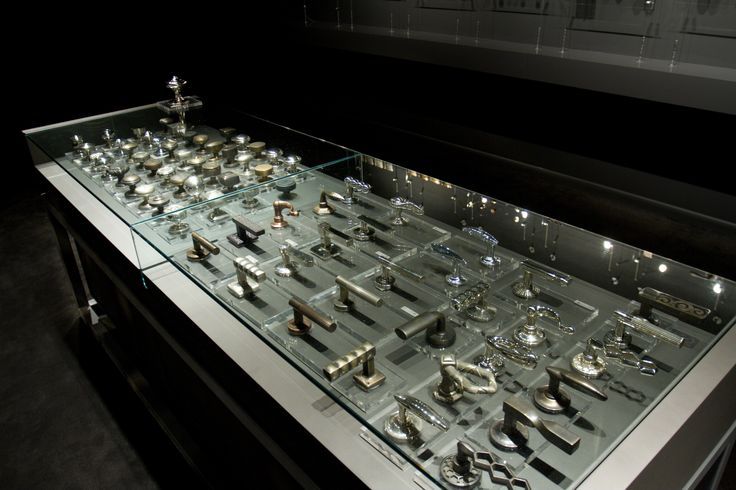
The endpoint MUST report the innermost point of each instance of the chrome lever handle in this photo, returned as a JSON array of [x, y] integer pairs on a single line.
[[641, 325], [514, 351], [446, 251], [405, 424], [479, 232], [402, 203], [551, 398], [547, 273]]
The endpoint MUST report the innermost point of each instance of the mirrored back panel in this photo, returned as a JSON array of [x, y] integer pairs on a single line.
[[484, 343]]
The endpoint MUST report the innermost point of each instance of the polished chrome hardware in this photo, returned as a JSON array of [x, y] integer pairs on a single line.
[[405, 425], [551, 398], [326, 248], [684, 310], [363, 232], [278, 207], [643, 326], [506, 434], [249, 276], [400, 204], [194, 187], [589, 363], [201, 248], [303, 313], [513, 350], [455, 278], [453, 384], [344, 303], [290, 162], [526, 289], [353, 185], [461, 470], [491, 358], [646, 367], [530, 334], [472, 303], [241, 141], [618, 337], [384, 281], [489, 259], [324, 207], [369, 377], [438, 333], [286, 268]]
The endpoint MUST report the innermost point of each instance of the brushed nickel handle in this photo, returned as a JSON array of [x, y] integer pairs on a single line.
[[641, 325], [365, 354], [344, 303], [453, 384], [439, 333], [406, 424]]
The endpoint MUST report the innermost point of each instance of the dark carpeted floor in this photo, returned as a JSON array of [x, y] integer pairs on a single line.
[[67, 418]]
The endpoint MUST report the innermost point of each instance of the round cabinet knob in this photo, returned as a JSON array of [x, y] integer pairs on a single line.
[[263, 171], [241, 141], [214, 147], [273, 154], [257, 147], [291, 162], [285, 186], [194, 186], [200, 140], [138, 158], [243, 158], [196, 163], [159, 202], [129, 148], [152, 166], [130, 180], [144, 191], [178, 180]]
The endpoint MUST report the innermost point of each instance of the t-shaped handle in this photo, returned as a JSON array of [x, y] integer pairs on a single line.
[[551, 398], [300, 325], [455, 278], [201, 248], [507, 434], [344, 303]]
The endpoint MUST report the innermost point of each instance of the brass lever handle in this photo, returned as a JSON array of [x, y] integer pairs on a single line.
[[300, 325], [551, 398], [507, 433], [201, 248], [365, 354]]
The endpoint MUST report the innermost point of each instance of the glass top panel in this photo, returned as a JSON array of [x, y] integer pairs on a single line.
[[143, 162], [392, 288]]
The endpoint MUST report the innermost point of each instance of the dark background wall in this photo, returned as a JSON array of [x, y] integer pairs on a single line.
[[67, 66]]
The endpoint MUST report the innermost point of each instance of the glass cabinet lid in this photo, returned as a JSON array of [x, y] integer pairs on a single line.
[[483, 342]]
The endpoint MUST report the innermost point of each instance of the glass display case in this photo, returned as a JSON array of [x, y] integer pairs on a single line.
[[482, 342], [155, 159]]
